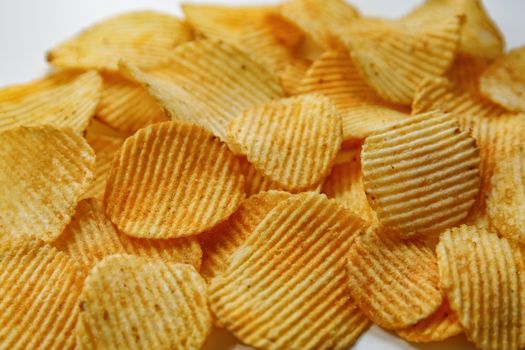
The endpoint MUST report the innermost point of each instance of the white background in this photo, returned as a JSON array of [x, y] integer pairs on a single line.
[[30, 27]]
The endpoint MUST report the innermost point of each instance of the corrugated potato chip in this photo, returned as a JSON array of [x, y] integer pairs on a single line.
[[39, 291], [64, 99], [286, 287], [132, 303], [99, 129], [208, 83], [394, 281], [43, 173], [466, 71], [254, 181], [292, 75], [504, 81], [421, 175], [219, 243], [90, 237], [144, 38], [172, 180], [483, 278], [292, 141]]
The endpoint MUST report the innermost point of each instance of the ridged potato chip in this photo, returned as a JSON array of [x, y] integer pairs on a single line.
[[292, 141], [99, 129], [394, 57], [504, 81], [219, 243], [43, 173], [421, 175], [144, 38], [394, 281], [254, 181], [292, 75], [39, 291], [208, 83], [483, 278], [90, 237], [65, 99], [132, 303], [198, 185], [286, 287], [439, 326], [466, 71], [126, 105], [362, 110]]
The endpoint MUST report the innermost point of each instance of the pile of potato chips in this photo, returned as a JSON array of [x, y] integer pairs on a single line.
[[291, 173]]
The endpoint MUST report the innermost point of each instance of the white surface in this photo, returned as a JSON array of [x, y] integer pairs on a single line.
[[29, 27]]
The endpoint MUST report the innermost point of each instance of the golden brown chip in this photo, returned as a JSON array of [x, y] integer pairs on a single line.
[[220, 242], [504, 81], [132, 303], [292, 75], [254, 181], [394, 281], [64, 99], [126, 105], [466, 71], [43, 173], [362, 110], [483, 278], [421, 175], [286, 287], [99, 129], [394, 57], [172, 180], [292, 141], [90, 237], [144, 38], [39, 290], [208, 83]]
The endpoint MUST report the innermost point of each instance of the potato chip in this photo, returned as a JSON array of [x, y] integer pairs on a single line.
[[90, 237], [39, 291], [394, 282], [62, 99], [466, 71], [43, 173], [198, 185], [208, 83], [292, 141], [254, 181], [291, 76], [439, 326], [99, 129], [504, 82], [126, 105], [286, 287], [394, 57], [144, 38], [133, 303], [220, 242], [483, 278], [362, 110], [480, 37], [421, 175]]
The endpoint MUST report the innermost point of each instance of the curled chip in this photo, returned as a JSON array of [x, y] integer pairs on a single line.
[[439, 326], [208, 83], [362, 110], [504, 81], [132, 302], [62, 99], [198, 185], [43, 173], [219, 243], [421, 175], [394, 282], [286, 287], [144, 38], [292, 141], [483, 278], [39, 291], [394, 57], [90, 237], [126, 105]]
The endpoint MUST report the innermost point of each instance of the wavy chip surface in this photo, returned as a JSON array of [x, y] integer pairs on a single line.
[[483, 278], [286, 286], [198, 185], [421, 175], [133, 303], [44, 171]]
